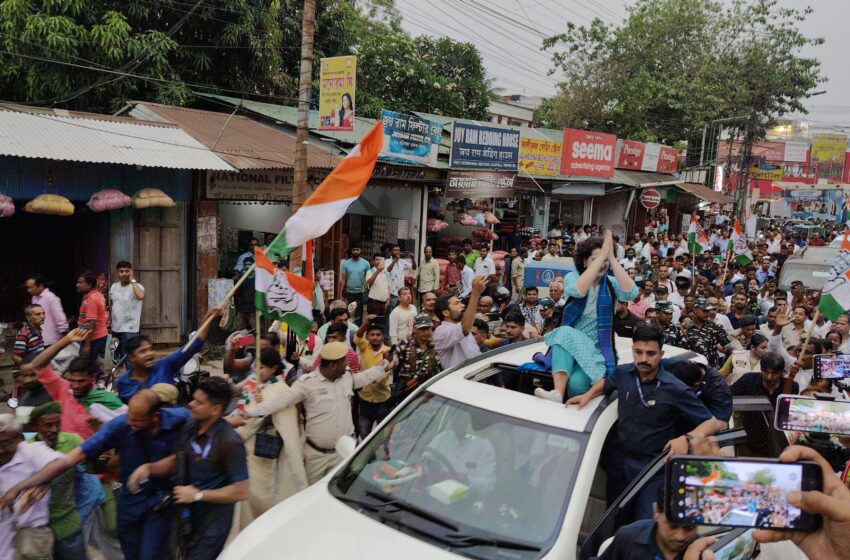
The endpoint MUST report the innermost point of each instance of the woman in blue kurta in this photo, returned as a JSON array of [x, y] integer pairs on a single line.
[[583, 347]]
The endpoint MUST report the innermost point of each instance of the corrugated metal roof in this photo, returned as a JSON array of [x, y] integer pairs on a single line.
[[289, 115], [704, 193], [651, 179], [240, 141], [86, 137]]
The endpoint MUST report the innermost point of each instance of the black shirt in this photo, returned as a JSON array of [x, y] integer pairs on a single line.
[[625, 326], [635, 542], [759, 425], [214, 459]]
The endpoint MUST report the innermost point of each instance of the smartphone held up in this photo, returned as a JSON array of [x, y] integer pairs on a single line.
[[811, 414], [739, 492]]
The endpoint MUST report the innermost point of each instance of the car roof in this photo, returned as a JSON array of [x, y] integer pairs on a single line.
[[814, 255], [457, 385]]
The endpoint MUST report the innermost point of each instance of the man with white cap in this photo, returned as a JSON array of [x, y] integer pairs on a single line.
[[326, 395]]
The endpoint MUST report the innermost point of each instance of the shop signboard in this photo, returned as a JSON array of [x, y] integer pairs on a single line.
[[484, 147], [650, 198], [668, 159], [796, 151], [410, 138], [480, 184], [803, 194], [539, 157], [254, 184], [651, 155], [829, 148], [337, 83], [630, 154], [767, 172], [588, 154]]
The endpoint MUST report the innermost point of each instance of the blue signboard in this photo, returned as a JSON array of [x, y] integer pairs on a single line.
[[542, 273], [410, 138], [476, 146]]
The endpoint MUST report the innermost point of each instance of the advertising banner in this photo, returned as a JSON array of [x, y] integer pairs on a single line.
[[255, 184], [630, 154], [796, 151], [829, 148], [767, 172], [651, 155], [337, 82], [845, 178], [484, 147], [668, 159], [480, 184], [410, 138], [589, 154], [539, 157]]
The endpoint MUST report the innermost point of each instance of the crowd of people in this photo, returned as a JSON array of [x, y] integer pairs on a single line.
[[217, 455]]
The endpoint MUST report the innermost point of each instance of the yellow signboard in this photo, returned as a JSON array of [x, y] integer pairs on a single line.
[[539, 157], [766, 172], [337, 81], [829, 148]]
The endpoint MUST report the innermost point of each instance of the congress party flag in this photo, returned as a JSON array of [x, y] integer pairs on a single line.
[[739, 246], [284, 296], [697, 239], [835, 297], [330, 201]]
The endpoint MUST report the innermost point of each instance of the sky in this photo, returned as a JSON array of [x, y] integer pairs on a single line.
[[509, 34]]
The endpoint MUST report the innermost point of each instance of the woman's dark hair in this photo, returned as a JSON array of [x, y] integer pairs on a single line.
[[342, 110], [334, 328], [269, 357], [756, 340], [583, 251]]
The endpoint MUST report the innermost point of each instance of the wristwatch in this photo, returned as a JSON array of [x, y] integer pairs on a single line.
[[134, 281], [199, 496]]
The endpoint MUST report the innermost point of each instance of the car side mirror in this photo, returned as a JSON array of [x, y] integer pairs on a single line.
[[345, 446]]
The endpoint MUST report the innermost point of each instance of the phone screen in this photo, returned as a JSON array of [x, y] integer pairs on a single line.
[[829, 366], [739, 492], [735, 546], [808, 414]]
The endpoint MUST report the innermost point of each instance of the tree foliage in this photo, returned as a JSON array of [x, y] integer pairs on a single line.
[[66, 53], [438, 76], [675, 65]]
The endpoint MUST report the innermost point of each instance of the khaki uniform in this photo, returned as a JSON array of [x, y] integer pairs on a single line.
[[327, 409]]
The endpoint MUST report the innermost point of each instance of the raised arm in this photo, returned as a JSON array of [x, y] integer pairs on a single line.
[[597, 268], [479, 283], [76, 335]]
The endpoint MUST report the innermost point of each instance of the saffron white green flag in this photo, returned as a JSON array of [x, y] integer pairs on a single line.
[[739, 246], [835, 297], [697, 239], [284, 296]]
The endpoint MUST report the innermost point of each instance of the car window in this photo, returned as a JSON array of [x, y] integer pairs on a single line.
[[813, 276], [484, 474]]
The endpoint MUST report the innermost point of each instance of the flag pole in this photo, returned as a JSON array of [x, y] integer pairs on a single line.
[[257, 341], [726, 265], [790, 379]]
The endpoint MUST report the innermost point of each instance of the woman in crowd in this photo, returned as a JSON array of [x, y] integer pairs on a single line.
[[745, 361], [583, 348], [272, 480]]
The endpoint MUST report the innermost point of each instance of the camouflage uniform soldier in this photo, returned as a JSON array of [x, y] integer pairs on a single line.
[[664, 321], [704, 335]]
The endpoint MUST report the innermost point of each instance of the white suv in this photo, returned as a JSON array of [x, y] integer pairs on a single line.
[[471, 465]]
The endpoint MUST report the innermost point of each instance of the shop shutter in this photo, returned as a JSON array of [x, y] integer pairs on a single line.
[[157, 265]]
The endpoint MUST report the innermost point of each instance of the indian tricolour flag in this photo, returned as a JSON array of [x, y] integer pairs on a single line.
[[330, 201], [835, 296], [287, 296], [739, 246], [284, 296], [697, 239]]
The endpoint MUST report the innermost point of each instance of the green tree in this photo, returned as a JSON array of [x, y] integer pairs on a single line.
[[763, 477], [437, 76], [675, 65]]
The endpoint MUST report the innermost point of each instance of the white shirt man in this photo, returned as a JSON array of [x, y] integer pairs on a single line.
[[29, 458], [484, 266], [628, 263], [378, 281], [126, 306], [466, 277], [401, 318], [396, 268]]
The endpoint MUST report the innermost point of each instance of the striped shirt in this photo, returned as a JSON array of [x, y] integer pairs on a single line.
[[28, 341]]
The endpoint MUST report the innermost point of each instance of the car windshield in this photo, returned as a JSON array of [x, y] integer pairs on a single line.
[[464, 478], [813, 276]]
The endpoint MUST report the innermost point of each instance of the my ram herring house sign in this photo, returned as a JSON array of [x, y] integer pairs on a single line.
[[477, 146]]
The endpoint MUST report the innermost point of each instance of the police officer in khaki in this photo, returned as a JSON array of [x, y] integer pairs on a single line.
[[326, 394]]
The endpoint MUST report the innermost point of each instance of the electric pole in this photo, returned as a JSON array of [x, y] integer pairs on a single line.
[[305, 86]]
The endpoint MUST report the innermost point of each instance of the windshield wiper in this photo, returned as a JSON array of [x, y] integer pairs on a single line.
[[387, 501], [460, 541]]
